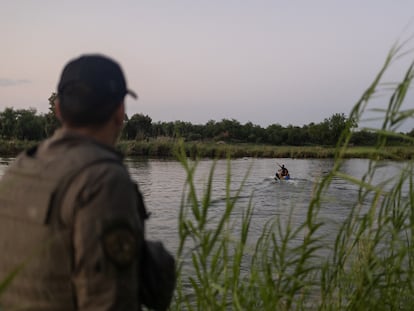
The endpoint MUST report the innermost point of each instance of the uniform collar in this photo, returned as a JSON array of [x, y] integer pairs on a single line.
[[64, 135]]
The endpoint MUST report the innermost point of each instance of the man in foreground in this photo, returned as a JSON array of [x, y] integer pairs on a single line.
[[71, 219]]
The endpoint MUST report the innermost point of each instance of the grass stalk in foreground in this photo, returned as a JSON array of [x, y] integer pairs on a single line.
[[368, 266]]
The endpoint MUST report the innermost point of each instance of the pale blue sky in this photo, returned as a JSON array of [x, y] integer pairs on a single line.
[[286, 62]]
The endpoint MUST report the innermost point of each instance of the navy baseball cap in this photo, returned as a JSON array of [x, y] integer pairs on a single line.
[[98, 74]]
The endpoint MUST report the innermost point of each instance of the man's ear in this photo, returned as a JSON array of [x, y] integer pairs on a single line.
[[120, 115], [57, 110]]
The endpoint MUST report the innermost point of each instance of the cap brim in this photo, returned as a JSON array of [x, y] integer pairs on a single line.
[[133, 94]]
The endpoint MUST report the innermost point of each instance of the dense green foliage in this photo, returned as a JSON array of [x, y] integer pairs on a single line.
[[164, 148], [26, 124]]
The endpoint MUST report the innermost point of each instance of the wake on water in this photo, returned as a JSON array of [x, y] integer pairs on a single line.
[[275, 180]]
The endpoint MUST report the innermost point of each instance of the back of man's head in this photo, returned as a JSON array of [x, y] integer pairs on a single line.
[[90, 89]]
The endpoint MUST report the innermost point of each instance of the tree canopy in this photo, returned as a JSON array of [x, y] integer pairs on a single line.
[[26, 124]]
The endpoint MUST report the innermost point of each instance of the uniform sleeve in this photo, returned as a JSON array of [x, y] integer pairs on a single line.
[[107, 237]]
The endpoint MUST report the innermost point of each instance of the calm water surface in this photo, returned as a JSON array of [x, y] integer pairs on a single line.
[[162, 183]]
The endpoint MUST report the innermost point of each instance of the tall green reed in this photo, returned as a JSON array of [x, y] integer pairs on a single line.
[[215, 258], [369, 264]]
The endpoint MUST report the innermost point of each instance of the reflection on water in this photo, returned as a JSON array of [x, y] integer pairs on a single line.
[[162, 183]]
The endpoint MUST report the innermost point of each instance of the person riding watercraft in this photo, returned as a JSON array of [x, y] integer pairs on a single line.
[[282, 173]]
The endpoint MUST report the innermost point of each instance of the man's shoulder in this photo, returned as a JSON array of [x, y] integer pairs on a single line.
[[105, 170], [74, 151], [92, 166]]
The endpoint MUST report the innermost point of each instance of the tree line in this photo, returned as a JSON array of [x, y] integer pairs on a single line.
[[27, 124]]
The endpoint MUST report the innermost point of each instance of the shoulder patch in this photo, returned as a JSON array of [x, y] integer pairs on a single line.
[[120, 246]]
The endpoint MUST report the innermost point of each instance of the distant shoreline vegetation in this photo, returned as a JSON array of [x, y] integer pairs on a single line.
[[27, 124], [220, 149], [22, 128], [165, 148]]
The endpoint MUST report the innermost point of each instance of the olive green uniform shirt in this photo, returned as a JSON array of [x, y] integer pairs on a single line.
[[99, 206]]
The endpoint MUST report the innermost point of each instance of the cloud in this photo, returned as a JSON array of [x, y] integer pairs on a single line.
[[10, 82]]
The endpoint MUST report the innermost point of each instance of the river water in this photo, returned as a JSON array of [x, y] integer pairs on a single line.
[[162, 183]]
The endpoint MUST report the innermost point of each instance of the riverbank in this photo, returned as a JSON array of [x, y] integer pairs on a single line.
[[222, 150], [165, 148]]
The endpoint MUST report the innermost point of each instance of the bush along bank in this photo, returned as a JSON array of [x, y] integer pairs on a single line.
[[161, 148]]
